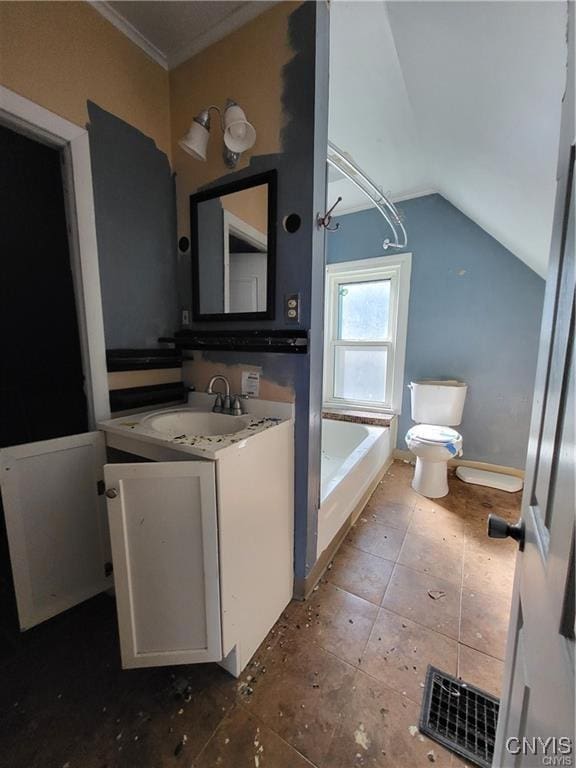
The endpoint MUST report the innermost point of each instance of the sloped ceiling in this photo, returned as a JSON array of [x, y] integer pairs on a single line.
[[462, 98]]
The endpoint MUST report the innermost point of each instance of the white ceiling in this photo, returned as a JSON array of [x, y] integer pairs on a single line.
[[171, 31], [462, 98]]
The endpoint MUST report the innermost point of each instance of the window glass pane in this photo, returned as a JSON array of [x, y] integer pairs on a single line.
[[360, 373], [363, 310]]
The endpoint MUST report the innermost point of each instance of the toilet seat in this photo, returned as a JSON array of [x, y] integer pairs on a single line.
[[433, 445], [432, 434]]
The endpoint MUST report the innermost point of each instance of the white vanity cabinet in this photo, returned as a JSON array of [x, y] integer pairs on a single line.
[[201, 550], [164, 531]]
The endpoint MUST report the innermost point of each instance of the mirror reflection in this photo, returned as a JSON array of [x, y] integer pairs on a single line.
[[233, 252]]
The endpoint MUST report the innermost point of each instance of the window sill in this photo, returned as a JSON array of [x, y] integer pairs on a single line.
[[373, 418]]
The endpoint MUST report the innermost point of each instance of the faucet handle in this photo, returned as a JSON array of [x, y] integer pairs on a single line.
[[217, 407], [237, 409]]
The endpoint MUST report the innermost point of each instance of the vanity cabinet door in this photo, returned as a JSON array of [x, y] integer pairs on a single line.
[[164, 533], [56, 523]]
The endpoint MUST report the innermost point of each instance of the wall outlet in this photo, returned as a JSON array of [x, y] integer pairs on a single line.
[[251, 383], [292, 307], [185, 317]]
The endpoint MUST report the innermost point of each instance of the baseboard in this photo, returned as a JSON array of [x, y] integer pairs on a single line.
[[401, 455], [304, 587]]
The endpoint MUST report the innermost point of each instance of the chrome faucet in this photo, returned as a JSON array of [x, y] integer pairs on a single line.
[[231, 406], [210, 389], [219, 405]]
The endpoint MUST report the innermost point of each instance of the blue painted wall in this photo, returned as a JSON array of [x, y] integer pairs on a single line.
[[474, 315], [135, 208]]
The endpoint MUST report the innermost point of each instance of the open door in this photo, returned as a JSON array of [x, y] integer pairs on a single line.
[[56, 523], [164, 533], [536, 723]]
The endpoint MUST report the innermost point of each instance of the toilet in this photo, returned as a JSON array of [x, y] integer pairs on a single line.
[[436, 407]]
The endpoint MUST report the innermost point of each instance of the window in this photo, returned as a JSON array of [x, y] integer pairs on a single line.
[[366, 319]]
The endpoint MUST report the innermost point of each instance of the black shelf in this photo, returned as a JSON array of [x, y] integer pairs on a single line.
[[283, 341], [142, 359]]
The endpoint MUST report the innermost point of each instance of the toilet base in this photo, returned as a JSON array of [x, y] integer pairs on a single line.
[[430, 478]]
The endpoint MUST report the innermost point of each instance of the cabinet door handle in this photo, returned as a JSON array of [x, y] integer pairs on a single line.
[[112, 493]]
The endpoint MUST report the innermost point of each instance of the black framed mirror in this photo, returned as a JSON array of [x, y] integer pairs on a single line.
[[233, 241]]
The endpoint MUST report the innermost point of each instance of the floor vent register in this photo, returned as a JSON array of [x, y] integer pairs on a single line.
[[460, 717]]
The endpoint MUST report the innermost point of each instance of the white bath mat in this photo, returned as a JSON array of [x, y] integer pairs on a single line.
[[490, 479]]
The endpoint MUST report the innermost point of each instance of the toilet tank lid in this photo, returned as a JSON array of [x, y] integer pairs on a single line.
[[440, 383]]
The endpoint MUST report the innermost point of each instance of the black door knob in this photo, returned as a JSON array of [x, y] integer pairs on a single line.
[[498, 528]]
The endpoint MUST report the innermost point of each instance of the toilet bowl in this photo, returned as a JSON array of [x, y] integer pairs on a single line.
[[433, 447], [437, 406]]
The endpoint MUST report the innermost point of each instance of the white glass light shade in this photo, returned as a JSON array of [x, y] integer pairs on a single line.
[[196, 141], [239, 134]]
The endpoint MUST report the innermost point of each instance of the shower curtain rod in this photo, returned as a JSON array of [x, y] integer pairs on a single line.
[[348, 168]]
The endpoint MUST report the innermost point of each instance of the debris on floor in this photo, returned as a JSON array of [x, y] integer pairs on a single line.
[[361, 737], [180, 746], [298, 685]]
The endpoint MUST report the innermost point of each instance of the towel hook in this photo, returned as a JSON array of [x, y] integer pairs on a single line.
[[324, 221]]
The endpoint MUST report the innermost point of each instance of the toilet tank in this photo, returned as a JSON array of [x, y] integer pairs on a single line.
[[438, 402]]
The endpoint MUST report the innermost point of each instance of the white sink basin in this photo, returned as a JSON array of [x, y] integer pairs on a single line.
[[197, 423]]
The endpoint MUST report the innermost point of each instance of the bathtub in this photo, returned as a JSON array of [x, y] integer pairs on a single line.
[[353, 457]]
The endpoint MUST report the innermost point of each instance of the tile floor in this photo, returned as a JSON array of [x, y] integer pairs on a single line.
[[337, 684]]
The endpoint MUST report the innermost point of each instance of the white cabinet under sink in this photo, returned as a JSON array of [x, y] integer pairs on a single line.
[[164, 532], [201, 549]]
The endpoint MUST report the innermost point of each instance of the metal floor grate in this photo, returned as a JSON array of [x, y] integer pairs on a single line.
[[460, 717]]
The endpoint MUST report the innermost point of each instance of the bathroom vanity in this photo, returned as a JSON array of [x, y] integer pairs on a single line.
[[190, 519]]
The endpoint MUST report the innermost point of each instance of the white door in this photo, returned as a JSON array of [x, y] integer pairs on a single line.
[[164, 533], [244, 294], [56, 523], [536, 723], [247, 275]]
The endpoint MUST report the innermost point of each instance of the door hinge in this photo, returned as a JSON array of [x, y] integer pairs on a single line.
[[101, 487], [108, 569]]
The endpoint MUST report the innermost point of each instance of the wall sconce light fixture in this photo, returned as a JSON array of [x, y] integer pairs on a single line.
[[239, 134]]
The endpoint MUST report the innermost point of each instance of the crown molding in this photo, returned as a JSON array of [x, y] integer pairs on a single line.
[[231, 23], [110, 14]]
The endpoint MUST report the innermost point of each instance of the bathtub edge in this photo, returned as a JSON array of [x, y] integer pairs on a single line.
[[304, 587]]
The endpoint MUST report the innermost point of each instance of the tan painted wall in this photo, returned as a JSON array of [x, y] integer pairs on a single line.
[[60, 54], [250, 205], [232, 67], [199, 371]]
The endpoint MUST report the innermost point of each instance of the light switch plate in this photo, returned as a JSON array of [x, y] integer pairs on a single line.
[[185, 317]]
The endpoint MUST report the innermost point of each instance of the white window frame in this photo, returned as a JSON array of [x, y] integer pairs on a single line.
[[396, 268]]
